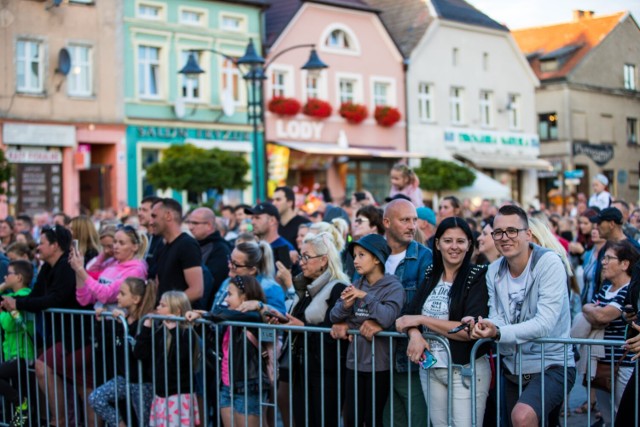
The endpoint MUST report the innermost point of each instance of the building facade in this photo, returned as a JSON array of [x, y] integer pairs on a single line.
[[588, 104], [365, 69], [61, 106], [163, 107], [470, 94]]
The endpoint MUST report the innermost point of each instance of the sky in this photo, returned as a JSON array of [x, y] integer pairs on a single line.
[[530, 13]]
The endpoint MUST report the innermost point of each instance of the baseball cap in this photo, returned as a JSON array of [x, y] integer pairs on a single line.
[[426, 214], [608, 214], [263, 208]]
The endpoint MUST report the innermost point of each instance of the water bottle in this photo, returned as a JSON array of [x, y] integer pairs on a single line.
[[17, 317]]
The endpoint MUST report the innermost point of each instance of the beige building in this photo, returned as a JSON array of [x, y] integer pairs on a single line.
[[61, 105], [588, 104]]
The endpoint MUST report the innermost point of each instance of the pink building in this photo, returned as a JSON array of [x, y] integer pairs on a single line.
[[364, 68]]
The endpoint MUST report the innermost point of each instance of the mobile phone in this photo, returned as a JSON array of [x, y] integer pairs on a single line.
[[280, 317], [75, 245], [282, 254], [629, 309], [359, 196], [427, 360]]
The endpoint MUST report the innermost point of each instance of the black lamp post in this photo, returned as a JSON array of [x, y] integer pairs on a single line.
[[254, 76]]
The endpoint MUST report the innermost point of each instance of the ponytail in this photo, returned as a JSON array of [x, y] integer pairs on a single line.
[[266, 266]]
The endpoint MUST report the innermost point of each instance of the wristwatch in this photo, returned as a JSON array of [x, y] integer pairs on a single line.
[[260, 305], [498, 334]]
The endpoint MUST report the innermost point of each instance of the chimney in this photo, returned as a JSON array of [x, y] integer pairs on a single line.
[[579, 15]]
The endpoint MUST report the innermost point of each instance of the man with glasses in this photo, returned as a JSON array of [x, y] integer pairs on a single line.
[[528, 300]]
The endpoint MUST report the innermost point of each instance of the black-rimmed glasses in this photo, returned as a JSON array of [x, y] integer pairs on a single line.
[[235, 265], [510, 232], [306, 258]]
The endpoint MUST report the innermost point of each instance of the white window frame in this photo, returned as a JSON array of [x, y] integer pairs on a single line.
[[456, 104], [630, 77], [390, 82], [513, 110], [72, 84], [287, 86], [358, 97], [242, 18], [485, 102], [426, 102], [354, 50], [227, 71], [162, 10], [160, 74], [202, 14], [322, 85], [29, 45], [202, 58]]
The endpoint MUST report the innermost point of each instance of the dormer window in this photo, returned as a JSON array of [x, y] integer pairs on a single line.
[[555, 60], [339, 39]]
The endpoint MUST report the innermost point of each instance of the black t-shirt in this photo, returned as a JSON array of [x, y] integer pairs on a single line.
[[290, 230], [173, 258]]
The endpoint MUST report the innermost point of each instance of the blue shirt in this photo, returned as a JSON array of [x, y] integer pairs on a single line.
[[273, 293]]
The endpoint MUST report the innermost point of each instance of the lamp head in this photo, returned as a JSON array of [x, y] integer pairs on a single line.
[[251, 57], [191, 69], [314, 63]]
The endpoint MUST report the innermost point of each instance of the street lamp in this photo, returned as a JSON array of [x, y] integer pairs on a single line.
[[254, 76]]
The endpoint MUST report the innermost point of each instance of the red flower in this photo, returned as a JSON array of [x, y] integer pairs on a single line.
[[284, 106], [386, 116], [317, 108], [354, 113]]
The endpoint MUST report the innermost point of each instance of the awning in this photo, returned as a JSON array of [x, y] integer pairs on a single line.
[[483, 187], [338, 150], [501, 161]]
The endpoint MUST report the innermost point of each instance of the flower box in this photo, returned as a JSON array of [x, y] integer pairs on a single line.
[[284, 106], [353, 113], [387, 116], [317, 108]]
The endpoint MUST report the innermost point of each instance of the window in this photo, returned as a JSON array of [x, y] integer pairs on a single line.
[[486, 106], [632, 131], [629, 76], [149, 156], [231, 79], [80, 78], [191, 17], [381, 93], [485, 61], [548, 126], [148, 71], [339, 39], [549, 65], [312, 87], [454, 56], [425, 102], [232, 23], [279, 83], [513, 109], [149, 11], [190, 85], [455, 101], [29, 66], [347, 90]]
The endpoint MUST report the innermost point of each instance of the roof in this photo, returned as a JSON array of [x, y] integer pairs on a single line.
[[281, 12], [408, 20], [567, 43]]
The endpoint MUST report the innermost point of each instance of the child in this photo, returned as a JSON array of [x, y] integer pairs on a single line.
[[241, 289], [136, 298], [17, 344], [378, 297], [175, 347], [405, 181]]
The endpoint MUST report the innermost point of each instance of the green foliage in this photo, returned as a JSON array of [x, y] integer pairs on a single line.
[[5, 171], [438, 175], [187, 167]]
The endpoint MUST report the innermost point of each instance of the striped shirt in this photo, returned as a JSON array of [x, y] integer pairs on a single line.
[[615, 330]]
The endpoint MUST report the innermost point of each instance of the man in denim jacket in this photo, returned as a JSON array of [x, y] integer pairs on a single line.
[[408, 261]]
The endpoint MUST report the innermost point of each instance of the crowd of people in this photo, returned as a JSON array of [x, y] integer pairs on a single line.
[[460, 274]]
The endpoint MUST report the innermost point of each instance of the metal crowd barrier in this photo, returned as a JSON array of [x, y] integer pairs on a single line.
[[97, 354]]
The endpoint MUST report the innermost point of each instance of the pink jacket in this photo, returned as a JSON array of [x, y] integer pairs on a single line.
[[105, 288], [414, 193]]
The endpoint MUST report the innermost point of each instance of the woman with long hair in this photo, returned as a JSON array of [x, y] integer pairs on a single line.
[[83, 230], [453, 288]]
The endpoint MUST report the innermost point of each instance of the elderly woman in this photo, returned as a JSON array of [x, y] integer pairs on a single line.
[[323, 281]]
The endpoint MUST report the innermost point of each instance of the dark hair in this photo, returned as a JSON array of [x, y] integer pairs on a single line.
[[226, 208], [66, 219], [21, 249], [25, 218], [471, 222], [455, 202], [150, 199], [241, 207], [515, 210], [23, 268], [487, 221], [288, 193], [249, 287], [374, 215], [59, 235], [147, 290], [625, 251], [172, 205]]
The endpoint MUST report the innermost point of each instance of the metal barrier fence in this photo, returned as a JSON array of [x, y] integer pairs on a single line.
[[74, 381]]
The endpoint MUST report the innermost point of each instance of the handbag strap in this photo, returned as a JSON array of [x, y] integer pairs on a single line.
[[619, 362]]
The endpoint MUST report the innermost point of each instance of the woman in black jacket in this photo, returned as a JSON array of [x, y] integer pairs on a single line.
[[453, 288]]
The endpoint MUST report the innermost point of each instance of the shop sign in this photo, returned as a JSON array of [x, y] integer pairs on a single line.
[[39, 135], [499, 140], [155, 133], [26, 155], [39, 188], [574, 174], [601, 154], [301, 130]]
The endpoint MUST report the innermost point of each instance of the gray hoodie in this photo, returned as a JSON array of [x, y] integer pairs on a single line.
[[383, 303]]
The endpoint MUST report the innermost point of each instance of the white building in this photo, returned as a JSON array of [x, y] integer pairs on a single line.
[[470, 94]]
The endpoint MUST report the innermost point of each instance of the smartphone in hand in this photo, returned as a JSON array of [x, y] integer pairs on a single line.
[[75, 246], [273, 314], [427, 360]]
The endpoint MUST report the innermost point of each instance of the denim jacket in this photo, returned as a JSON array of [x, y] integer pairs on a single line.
[[410, 271]]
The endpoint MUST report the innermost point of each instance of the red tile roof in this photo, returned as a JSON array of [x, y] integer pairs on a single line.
[[567, 42]]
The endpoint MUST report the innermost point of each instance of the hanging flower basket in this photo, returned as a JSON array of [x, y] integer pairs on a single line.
[[284, 106], [387, 116], [317, 108], [354, 113]]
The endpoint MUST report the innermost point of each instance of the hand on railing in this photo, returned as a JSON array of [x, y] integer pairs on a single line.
[[99, 312], [417, 346], [482, 329], [339, 332], [369, 328], [406, 322], [193, 315]]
